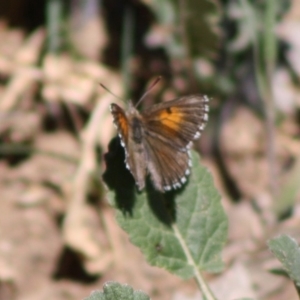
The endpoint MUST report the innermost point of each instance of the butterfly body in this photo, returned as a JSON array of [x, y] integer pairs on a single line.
[[158, 140]]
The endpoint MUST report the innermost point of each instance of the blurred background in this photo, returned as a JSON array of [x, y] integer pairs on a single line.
[[58, 236]]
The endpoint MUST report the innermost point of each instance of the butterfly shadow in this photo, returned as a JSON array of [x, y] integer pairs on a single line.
[[162, 204], [118, 178], [121, 182]]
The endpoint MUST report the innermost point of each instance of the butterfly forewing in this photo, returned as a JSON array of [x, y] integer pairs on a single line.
[[135, 156], [178, 122], [121, 122]]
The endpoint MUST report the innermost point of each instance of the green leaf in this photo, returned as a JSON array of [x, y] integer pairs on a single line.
[[201, 23], [182, 231], [193, 25], [289, 189], [113, 290], [287, 251]]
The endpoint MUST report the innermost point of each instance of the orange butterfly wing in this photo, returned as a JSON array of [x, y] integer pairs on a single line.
[[121, 122], [178, 122], [135, 157]]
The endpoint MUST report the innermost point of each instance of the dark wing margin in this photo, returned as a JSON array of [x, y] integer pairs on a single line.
[[178, 122]]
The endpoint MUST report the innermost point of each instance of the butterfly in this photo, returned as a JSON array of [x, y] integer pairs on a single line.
[[157, 141]]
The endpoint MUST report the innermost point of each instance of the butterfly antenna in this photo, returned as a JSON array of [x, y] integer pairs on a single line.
[[149, 89], [103, 86]]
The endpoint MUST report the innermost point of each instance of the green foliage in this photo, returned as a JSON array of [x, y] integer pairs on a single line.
[[287, 251], [113, 290], [182, 231], [194, 32], [289, 190]]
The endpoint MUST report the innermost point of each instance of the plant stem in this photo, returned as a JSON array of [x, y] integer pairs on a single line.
[[187, 61], [270, 51], [54, 15], [264, 65], [127, 49], [198, 276]]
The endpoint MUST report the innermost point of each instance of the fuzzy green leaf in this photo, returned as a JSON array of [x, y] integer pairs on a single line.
[[180, 231], [113, 290], [287, 251]]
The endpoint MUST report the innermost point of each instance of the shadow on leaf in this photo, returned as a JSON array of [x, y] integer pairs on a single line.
[[118, 178], [161, 204]]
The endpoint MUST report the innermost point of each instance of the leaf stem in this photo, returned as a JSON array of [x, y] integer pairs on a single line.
[[198, 276]]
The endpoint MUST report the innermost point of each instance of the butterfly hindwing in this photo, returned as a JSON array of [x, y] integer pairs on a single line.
[[168, 167]]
